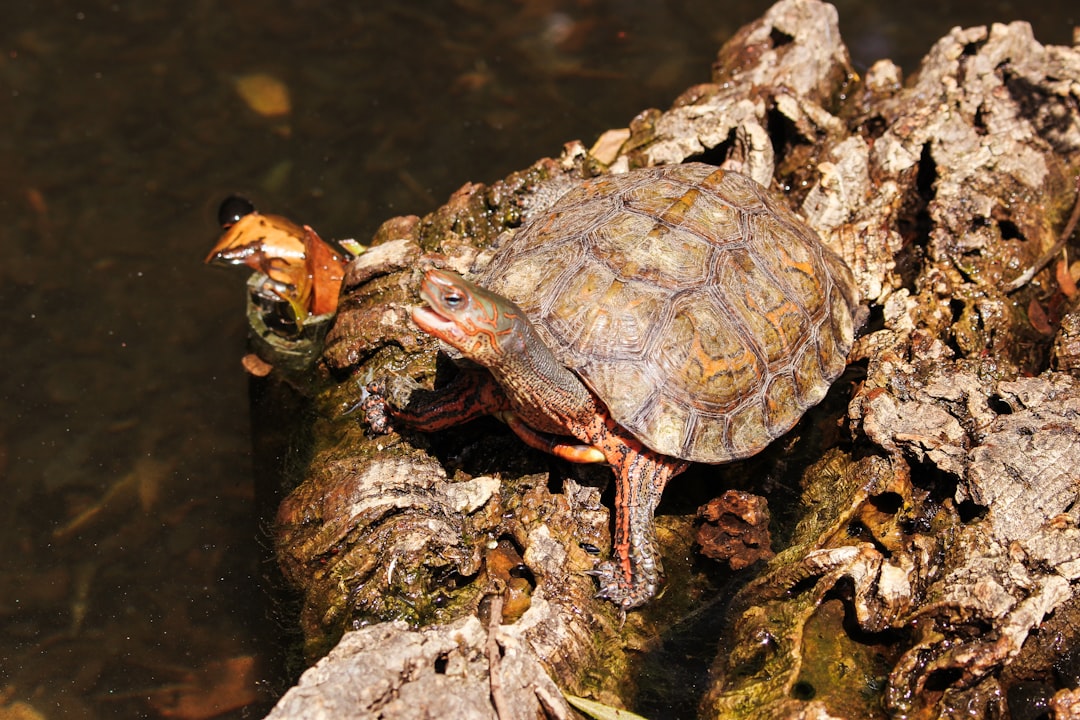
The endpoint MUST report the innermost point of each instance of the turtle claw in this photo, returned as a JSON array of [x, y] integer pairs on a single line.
[[624, 592]]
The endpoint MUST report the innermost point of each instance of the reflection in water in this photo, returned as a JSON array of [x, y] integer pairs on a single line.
[[130, 581]]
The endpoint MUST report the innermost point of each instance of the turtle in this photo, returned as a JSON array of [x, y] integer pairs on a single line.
[[649, 320]]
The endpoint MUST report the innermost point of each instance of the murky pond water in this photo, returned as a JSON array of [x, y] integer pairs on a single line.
[[133, 563]]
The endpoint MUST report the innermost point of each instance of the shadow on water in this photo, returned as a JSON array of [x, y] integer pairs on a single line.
[[131, 577]]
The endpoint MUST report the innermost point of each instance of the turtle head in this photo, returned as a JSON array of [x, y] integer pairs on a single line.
[[482, 325]]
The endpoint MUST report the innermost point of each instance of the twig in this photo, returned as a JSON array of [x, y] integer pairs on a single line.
[[502, 708], [552, 708], [1026, 276]]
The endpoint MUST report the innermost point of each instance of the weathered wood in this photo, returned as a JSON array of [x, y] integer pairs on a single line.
[[935, 536]]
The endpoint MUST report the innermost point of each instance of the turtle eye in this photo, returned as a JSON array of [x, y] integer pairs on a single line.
[[453, 299], [232, 209]]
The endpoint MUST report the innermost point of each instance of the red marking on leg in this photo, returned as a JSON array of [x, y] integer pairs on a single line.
[[552, 444], [468, 396], [640, 478]]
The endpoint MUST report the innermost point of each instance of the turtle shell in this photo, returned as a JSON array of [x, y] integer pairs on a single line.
[[701, 310]]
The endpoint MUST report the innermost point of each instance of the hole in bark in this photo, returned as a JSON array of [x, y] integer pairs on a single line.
[[874, 321], [1010, 231], [941, 489], [888, 502], [927, 174], [844, 590], [450, 580], [440, 664], [969, 511], [999, 405], [874, 127], [973, 48], [909, 262], [1030, 700], [1067, 668], [941, 680], [803, 690], [779, 38], [915, 524], [857, 530], [956, 309], [589, 548], [782, 132], [979, 122], [523, 572], [506, 561], [914, 222], [802, 586], [717, 154]]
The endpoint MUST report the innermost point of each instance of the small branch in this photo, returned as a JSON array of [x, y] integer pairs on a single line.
[[494, 653]]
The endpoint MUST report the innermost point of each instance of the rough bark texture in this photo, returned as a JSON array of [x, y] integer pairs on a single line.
[[935, 538], [392, 671]]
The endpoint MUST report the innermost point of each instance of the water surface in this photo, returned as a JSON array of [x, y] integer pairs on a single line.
[[132, 563]]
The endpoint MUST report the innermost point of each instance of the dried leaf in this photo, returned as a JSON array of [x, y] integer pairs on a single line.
[[325, 271], [264, 94], [255, 365], [352, 247], [20, 711], [302, 269], [214, 689], [1065, 279], [600, 711], [1037, 318], [141, 486], [607, 146]]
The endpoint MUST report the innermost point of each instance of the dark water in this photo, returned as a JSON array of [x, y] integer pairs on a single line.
[[131, 561]]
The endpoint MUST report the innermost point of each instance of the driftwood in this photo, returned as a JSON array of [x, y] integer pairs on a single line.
[[933, 562]]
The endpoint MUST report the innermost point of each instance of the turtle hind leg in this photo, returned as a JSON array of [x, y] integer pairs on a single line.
[[634, 573]]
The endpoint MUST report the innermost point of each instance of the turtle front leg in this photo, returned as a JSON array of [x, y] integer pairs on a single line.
[[554, 444], [397, 400], [634, 574]]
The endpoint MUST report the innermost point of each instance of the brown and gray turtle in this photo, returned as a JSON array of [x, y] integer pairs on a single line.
[[652, 319]]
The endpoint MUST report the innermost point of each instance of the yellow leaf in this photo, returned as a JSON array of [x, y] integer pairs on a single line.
[[264, 94], [600, 711]]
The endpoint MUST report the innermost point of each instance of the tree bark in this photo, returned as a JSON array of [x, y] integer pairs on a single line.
[[934, 534]]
